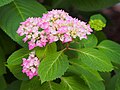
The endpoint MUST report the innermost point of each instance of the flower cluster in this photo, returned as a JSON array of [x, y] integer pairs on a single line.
[[53, 26], [97, 24], [30, 65]]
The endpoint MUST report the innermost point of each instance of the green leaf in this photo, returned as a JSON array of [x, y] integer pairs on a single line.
[[100, 36], [3, 83], [49, 49], [84, 69], [35, 84], [93, 5], [15, 85], [95, 59], [2, 62], [112, 83], [84, 5], [99, 17], [110, 49], [61, 3], [72, 83], [4, 2], [19, 10], [17, 72], [67, 83], [91, 41], [50, 86], [16, 57], [53, 66], [117, 85], [73, 54], [6, 43], [106, 77], [91, 77], [15, 61]]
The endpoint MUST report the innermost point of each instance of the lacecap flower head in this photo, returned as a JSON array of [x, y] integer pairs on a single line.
[[53, 26]]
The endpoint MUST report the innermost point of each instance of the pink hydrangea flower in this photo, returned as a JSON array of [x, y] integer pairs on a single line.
[[30, 65], [51, 27]]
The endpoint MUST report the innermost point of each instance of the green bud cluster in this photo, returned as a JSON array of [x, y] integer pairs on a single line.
[[97, 24]]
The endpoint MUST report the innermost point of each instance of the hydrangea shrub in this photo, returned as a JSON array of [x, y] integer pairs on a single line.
[[58, 52]]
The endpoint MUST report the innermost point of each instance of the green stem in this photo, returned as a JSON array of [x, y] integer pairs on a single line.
[[74, 49], [68, 44]]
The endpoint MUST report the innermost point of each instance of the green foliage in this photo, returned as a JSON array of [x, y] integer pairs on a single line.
[[17, 72], [3, 83], [7, 45], [61, 3], [4, 2], [73, 54], [80, 67], [16, 57], [91, 77], [49, 49], [93, 5], [100, 36], [95, 59], [72, 83], [50, 86], [110, 49], [2, 62], [117, 85], [106, 77], [53, 66], [91, 41], [19, 10], [14, 63], [67, 83], [75, 65], [114, 83], [14, 85], [84, 5], [33, 84]]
